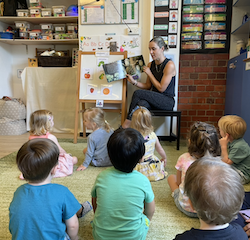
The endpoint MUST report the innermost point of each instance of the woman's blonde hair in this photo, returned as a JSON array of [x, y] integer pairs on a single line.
[[96, 115], [40, 122], [142, 121], [233, 125]]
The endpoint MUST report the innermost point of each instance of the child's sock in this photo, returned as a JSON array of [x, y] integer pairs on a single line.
[[86, 207]]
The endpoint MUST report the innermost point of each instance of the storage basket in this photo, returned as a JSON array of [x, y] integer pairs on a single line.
[[54, 61]]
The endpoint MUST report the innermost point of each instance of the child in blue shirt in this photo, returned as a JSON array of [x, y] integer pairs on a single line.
[[40, 209], [122, 198]]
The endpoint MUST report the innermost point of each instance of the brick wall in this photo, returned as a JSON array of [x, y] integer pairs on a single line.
[[202, 88]]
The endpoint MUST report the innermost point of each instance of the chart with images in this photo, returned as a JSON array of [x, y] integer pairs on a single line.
[[205, 26], [166, 21]]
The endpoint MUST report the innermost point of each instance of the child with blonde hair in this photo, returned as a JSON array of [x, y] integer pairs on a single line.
[[150, 166], [234, 149], [41, 123], [203, 142], [96, 152]]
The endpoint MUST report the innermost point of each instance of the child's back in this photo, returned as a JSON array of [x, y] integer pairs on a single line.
[[119, 193]]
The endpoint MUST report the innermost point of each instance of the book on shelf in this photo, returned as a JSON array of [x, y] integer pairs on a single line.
[[117, 70]]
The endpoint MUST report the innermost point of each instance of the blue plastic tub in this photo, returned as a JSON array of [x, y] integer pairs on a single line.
[[6, 35]]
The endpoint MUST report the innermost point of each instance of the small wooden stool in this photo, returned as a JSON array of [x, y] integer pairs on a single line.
[[163, 113]]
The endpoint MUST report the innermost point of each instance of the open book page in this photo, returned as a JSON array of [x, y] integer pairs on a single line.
[[118, 70], [245, 213]]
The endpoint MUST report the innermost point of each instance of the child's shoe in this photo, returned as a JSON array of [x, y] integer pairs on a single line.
[[86, 207]]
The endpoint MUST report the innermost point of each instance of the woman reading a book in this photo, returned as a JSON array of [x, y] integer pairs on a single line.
[[158, 90]]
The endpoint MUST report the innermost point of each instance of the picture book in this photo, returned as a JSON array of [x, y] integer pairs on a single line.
[[117, 70], [245, 213]]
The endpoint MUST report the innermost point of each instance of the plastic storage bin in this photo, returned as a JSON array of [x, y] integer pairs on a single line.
[[22, 12], [46, 28], [46, 12], [24, 35], [6, 35], [59, 28], [72, 28], [35, 3], [62, 36], [59, 11], [23, 26], [47, 36], [35, 35], [35, 11]]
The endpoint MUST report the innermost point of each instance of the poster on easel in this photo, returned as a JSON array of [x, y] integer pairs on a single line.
[[92, 14], [130, 11]]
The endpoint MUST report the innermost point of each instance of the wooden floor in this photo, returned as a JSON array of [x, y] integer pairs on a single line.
[[9, 144]]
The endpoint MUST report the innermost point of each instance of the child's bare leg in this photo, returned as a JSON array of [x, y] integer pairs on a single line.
[[75, 160], [84, 150], [172, 182]]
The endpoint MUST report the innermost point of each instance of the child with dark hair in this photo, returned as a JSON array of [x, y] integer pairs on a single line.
[[216, 193], [203, 141], [120, 194], [40, 209]]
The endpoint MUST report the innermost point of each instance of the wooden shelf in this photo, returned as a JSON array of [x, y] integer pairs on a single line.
[[34, 20], [243, 29], [40, 42]]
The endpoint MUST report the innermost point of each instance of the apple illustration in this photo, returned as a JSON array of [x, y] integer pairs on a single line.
[[92, 90], [87, 75]]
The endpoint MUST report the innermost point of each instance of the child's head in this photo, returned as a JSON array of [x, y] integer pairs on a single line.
[[142, 121], [94, 117], [36, 158], [233, 125], [215, 190], [41, 122], [125, 148], [203, 137]]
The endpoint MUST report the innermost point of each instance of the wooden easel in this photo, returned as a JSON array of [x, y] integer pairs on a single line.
[[122, 103]]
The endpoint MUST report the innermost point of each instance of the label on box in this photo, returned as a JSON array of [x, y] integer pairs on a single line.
[[46, 27], [33, 34], [58, 10], [20, 14], [34, 11], [45, 13], [59, 28], [34, 1], [71, 28], [18, 25]]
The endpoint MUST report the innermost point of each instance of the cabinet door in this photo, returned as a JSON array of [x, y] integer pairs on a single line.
[[245, 102], [234, 85]]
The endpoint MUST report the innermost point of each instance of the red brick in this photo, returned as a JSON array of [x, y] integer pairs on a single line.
[[199, 113], [184, 112], [186, 82], [218, 107], [219, 100], [219, 82], [202, 63], [210, 113], [202, 82], [202, 119], [185, 94], [186, 118], [214, 119], [209, 88], [192, 112], [192, 88], [187, 69], [221, 75], [210, 101], [201, 88], [204, 57], [201, 100], [203, 69], [217, 94], [211, 75], [203, 76], [192, 100], [220, 69], [185, 63], [201, 94], [219, 88], [194, 76], [184, 76], [183, 124], [220, 56], [183, 100], [204, 107], [194, 63], [222, 63], [219, 113], [212, 63], [184, 106], [186, 57], [183, 88]]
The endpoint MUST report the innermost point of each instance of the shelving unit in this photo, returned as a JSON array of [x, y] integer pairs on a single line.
[[37, 21], [239, 31]]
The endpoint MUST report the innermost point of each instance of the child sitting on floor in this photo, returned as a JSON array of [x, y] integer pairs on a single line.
[[234, 149], [96, 152], [40, 209], [203, 141], [151, 167], [120, 194], [216, 193], [41, 123]]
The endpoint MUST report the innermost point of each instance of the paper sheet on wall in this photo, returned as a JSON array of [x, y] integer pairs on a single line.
[[131, 44], [112, 11], [89, 43], [130, 11], [92, 14]]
